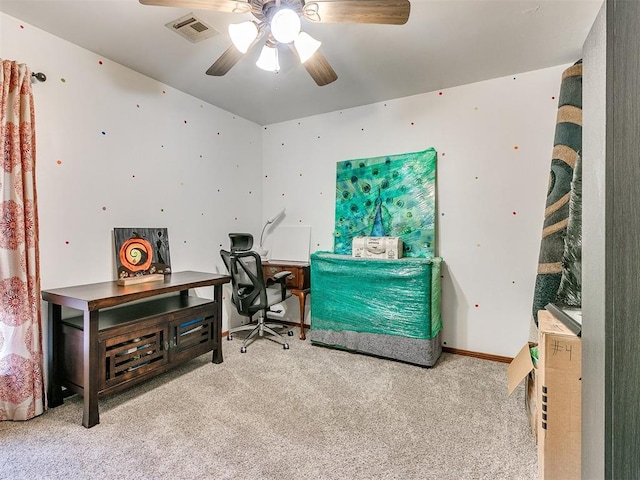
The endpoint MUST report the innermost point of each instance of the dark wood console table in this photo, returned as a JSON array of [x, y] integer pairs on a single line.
[[299, 282], [115, 344]]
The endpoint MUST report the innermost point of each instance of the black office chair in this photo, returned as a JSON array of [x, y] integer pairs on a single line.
[[250, 293]]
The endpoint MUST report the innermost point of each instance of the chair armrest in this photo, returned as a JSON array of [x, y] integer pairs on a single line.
[[281, 278], [282, 274]]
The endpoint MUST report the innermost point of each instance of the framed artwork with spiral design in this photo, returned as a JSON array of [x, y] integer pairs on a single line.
[[141, 251]]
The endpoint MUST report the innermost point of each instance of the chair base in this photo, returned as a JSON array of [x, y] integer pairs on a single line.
[[261, 329]]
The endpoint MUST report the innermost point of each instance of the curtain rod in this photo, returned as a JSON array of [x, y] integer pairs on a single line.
[[41, 77]]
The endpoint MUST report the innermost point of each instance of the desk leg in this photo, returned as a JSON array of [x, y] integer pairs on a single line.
[[217, 326], [302, 298], [90, 414], [54, 389]]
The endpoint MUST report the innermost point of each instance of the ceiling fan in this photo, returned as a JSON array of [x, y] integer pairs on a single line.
[[279, 21]]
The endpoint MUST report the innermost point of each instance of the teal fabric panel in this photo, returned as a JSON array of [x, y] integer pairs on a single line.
[[392, 297]]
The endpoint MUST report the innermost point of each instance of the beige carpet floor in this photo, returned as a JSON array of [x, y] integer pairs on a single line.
[[304, 413]]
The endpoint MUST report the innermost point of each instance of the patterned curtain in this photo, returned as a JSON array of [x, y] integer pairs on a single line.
[[21, 362]]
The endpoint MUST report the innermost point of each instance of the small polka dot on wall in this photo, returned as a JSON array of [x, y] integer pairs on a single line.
[[22, 26], [515, 147], [249, 192], [477, 305], [62, 80], [162, 209], [412, 124], [440, 93], [66, 242], [300, 174], [185, 241], [99, 62], [442, 214], [137, 105], [443, 154], [553, 98], [283, 144], [283, 194], [103, 133], [59, 162], [185, 121], [104, 208], [235, 218], [133, 176], [515, 213], [218, 133]]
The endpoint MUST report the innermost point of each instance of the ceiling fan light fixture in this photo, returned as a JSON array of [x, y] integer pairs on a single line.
[[285, 25], [306, 46], [268, 59], [243, 35]]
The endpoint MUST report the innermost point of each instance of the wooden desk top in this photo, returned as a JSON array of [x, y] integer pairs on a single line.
[[108, 294], [284, 263]]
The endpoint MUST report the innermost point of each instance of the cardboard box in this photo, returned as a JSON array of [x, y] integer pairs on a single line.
[[559, 398], [377, 247], [522, 368]]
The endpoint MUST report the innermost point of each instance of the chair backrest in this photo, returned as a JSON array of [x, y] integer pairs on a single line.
[[245, 268]]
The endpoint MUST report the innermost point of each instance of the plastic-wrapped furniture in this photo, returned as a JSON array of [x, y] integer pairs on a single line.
[[387, 308]]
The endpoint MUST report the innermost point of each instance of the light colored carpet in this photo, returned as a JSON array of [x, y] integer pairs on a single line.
[[305, 413]]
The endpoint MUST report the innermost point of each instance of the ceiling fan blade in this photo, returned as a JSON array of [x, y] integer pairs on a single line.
[[320, 69], [230, 6], [225, 62], [388, 12]]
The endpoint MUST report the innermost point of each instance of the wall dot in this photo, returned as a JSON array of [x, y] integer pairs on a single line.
[[163, 92], [476, 178], [515, 213], [185, 121], [249, 192], [475, 108], [444, 343], [283, 194], [22, 26], [104, 133], [442, 214], [99, 62], [162, 209], [553, 98], [104, 208], [318, 136], [185, 241], [137, 105], [59, 162], [236, 218], [515, 147], [440, 93], [478, 245], [443, 154], [62, 80], [477, 305], [133, 176], [66, 242], [412, 124], [300, 174]]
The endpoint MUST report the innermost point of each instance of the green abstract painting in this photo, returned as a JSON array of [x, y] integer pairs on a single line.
[[387, 196]]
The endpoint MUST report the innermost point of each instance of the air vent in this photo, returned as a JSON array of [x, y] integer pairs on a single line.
[[192, 28]]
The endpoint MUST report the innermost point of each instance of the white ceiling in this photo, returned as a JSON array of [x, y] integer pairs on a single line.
[[445, 43]]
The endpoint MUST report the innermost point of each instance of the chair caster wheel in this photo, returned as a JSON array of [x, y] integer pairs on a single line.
[[243, 349], [229, 337], [285, 346], [290, 333]]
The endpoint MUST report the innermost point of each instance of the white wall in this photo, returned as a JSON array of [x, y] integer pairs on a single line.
[[490, 254], [166, 159], [494, 141]]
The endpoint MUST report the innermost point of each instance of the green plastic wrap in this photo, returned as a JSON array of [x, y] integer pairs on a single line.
[[392, 297]]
